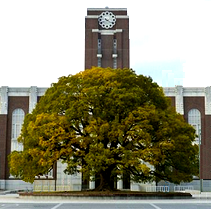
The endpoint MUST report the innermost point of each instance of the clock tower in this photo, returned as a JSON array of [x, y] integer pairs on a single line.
[[107, 38]]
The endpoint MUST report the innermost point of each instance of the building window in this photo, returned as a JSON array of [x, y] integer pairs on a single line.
[[194, 119], [115, 46], [115, 63], [99, 62], [17, 121], [99, 53], [99, 46], [114, 53]]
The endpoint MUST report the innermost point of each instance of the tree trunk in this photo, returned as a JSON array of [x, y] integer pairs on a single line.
[[106, 181]]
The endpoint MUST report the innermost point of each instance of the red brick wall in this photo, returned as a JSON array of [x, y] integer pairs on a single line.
[[196, 103], [91, 43], [14, 103], [3, 142], [205, 148], [123, 44], [91, 40], [107, 50]]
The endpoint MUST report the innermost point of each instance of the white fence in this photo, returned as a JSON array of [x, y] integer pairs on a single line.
[[51, 185], [182, 188], [157, 189]]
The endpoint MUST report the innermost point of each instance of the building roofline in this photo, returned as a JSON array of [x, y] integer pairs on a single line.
[[107, 9]]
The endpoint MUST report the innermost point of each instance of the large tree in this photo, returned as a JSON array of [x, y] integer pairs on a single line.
[[106, 122]]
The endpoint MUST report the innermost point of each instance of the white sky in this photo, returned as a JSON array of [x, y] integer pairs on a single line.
[[42, 40]]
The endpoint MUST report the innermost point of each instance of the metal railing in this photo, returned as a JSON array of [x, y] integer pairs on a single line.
[[182, 188], [51, 185], [157, 189]]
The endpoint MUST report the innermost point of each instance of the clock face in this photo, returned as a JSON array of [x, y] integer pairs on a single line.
[[107, 20]]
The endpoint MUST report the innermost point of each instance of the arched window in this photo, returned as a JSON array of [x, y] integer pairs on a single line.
[[17, 121], [194, 119]]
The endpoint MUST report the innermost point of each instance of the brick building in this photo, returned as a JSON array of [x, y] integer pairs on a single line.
[[107, 38], [106, 45], [195, 105]]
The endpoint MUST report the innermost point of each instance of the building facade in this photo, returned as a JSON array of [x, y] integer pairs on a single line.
[[106, 45], [15, 103], [193, 103], [107, 38]]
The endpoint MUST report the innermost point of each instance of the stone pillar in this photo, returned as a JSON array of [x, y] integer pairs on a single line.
[[4, 100], [208, 100], [179, 99], [32, 98], [91, 184], [120, 184], [3, 184]]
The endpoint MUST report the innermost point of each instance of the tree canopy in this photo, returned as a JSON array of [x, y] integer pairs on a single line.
[[105, 122]]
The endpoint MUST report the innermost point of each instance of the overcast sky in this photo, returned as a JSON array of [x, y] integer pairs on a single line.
[[42, 40]]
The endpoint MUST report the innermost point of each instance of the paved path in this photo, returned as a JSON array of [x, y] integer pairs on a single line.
[[109, 205], [12, 201]]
